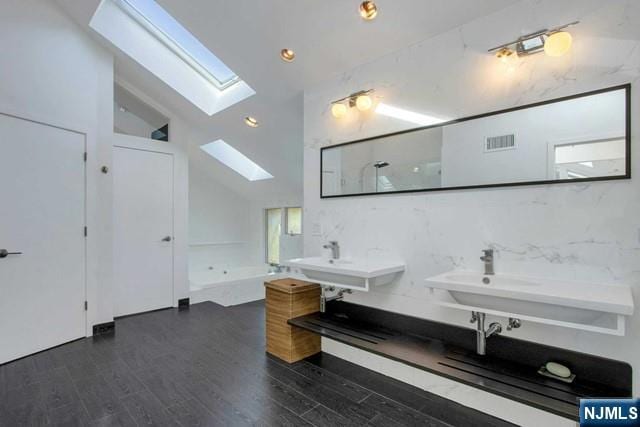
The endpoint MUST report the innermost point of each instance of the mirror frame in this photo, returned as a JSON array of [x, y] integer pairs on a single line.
[[627, 175]]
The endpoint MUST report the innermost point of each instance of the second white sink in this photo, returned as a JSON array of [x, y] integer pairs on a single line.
[[358, 274], [551, 301]]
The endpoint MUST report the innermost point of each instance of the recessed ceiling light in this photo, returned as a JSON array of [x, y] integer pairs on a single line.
[[368, 10], [250, 121], [287, 55]]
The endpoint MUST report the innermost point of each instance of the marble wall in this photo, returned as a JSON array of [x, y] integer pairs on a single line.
[[570, 231]]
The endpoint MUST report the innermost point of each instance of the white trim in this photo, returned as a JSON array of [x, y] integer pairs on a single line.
[[40, 119]]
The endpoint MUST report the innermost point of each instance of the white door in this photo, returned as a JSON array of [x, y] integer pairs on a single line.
[[42, 216], [143, 230]]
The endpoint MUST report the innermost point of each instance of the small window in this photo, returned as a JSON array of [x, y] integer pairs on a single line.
[[133, 117], [294, 221], [274, 230], [280, 221]]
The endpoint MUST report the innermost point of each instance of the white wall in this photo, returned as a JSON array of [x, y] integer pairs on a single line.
[[52, 72], [573, 231], [221, 219], [232, 224]]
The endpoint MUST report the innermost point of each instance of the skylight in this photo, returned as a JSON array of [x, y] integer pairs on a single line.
[[155, 19], [237, 161], [148, 34]]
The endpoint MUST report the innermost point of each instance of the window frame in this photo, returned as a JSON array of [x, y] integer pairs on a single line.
[[284, 227], [286, 220]]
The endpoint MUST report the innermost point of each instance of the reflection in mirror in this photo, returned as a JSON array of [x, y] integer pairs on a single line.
[[582, 137]]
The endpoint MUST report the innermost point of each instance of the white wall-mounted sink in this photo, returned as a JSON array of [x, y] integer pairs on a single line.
[[358, 274], [587, 306]]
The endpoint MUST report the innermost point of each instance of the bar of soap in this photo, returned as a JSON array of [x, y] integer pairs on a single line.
[[558, 370]]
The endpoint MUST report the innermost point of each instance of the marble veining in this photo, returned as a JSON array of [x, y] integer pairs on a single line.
[[587, 232]]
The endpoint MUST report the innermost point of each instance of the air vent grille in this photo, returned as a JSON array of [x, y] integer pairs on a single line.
[[498, 143]]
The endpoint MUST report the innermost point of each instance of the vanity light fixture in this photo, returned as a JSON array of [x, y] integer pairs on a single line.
[[287, 55], [505, 54], [368, 10], [251, 121], [554, 42], [338, 110], [361, 100]]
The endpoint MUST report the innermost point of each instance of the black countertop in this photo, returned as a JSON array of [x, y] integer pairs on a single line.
[[512, 379]]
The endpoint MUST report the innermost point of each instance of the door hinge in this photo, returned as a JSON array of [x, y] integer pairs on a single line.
[[86, 306], [85, 156], [85, 232]]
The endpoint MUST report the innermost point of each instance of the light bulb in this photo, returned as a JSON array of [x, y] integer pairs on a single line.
[[505, 55], [287, 55], [368, 10], [250, 121], [363, 102], [557, 44], [338, 110]]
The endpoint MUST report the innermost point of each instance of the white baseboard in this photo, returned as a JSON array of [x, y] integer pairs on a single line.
[[463, 394]]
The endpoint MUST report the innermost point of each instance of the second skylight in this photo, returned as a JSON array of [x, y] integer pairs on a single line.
[[237, 161]]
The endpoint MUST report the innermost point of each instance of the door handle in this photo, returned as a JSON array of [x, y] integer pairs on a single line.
[[5, 253], [167, 239]]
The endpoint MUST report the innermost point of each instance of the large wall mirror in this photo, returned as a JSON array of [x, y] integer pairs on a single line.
[[584, 137]]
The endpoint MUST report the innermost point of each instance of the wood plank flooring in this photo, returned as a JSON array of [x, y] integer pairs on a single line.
[[206, 366]]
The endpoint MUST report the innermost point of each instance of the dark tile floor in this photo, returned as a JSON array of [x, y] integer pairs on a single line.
[[206, 366]]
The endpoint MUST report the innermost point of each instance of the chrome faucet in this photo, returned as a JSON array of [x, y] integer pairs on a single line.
[[335, 249], [488, 262], [482, 335], [324, 299]]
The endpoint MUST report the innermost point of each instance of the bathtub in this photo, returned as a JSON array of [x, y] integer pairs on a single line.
[[230, 286]]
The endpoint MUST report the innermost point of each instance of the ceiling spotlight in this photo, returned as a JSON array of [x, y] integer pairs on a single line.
[[338, 110], [557, 44], [554, 42], [287, 55], [368, 10], [252, 122]]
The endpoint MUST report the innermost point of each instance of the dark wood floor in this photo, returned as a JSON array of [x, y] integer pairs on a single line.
[[207, 366]]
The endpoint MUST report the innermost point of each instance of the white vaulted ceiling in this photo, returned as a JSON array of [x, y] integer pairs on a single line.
[[328, 37]]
